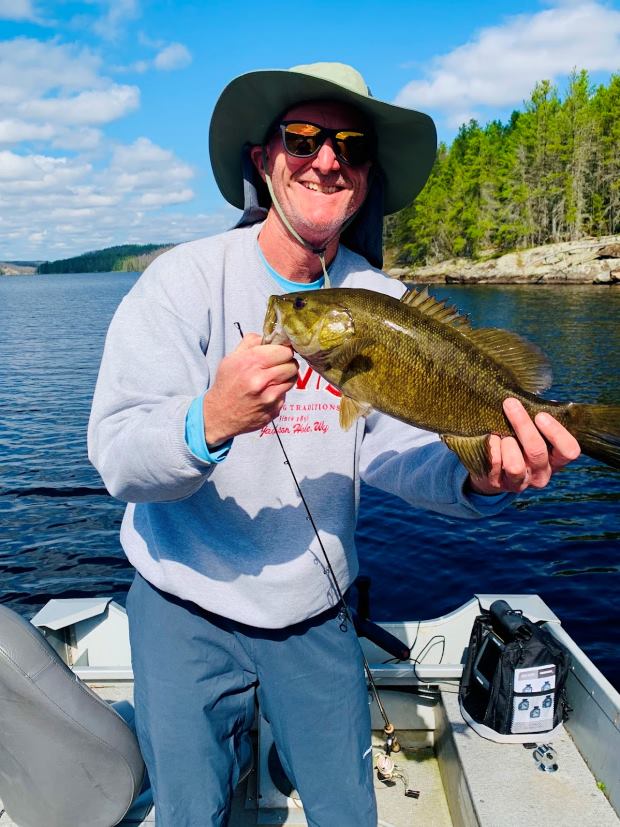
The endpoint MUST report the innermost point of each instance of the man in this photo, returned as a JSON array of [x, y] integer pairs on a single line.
[[232, 597]]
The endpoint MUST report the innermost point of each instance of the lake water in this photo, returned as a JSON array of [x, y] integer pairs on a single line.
[[59, 528]]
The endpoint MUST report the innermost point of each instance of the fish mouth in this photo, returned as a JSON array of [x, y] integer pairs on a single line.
[[273, 332]]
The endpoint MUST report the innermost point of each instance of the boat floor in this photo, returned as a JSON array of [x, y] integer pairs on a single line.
[[417, 764], [462, 779], [416, 761], [488, 785]]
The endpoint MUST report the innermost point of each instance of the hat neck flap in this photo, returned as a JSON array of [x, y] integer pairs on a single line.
[[253, 212]]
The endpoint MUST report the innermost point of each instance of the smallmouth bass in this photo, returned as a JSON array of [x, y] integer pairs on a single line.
[[420, 361]]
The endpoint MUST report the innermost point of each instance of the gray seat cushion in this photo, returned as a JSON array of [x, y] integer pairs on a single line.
[[66, 757]]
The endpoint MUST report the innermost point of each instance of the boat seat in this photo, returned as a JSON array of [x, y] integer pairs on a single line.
[[66, 756]]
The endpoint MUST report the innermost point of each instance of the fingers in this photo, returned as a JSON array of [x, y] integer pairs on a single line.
[[266, 355], [541, 447], [564, 446], [277, 365], [248, 341], [508, 470], [270, 355], [515, 476], [491, 484], [526, 462], [284, 375]]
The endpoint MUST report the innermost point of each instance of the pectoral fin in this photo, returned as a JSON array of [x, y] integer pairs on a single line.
[[473, 451], [350, 410], [349, 354]]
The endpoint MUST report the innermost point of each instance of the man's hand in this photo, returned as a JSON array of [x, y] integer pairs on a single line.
[[249, 389], [528, 460]]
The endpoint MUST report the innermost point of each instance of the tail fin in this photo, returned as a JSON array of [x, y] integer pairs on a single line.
[[597, 429]]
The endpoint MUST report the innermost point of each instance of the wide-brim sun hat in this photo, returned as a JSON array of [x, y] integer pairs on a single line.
[[249, 105]]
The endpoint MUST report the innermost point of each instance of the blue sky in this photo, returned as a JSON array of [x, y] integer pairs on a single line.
[[105, 104]]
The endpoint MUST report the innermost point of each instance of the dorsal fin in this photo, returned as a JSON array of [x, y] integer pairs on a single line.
[[526, 362], [435, 309]]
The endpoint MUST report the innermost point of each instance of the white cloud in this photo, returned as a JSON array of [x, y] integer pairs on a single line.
[[77, 138], [65, 186], [163, 199], [30, 68], [174, 56], [143, 154], [61, 206], [89, 107], [151, 173], [140, 66], [168, 58], [53, 91], [71, 231], [118, 14], [14, 131], [17, 10], [501, 65]]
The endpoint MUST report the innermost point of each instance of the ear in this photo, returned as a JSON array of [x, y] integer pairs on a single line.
[[256, 154]]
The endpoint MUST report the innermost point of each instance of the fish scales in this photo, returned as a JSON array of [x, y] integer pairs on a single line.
[[424, 372], [421, 362]]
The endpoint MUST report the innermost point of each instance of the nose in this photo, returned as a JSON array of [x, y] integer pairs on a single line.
[[325, 161]]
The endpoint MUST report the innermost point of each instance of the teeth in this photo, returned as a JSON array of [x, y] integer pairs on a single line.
[[319, 188]]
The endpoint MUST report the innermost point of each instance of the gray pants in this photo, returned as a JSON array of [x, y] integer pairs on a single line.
[[196, 677]]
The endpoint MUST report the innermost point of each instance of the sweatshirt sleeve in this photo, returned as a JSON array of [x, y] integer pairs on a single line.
[[153, 367], [417, 467]]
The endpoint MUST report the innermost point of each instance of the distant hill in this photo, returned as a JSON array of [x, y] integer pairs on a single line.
[[124, 258]]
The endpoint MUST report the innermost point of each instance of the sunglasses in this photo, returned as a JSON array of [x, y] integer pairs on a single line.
[[303, 139]]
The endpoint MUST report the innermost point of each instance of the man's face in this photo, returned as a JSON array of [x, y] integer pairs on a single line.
[[319, 193]]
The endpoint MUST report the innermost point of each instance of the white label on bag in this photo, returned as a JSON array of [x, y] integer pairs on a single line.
[[533, 714], [535, 679]]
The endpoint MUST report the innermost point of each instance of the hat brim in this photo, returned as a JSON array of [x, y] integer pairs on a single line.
[[406, 139]]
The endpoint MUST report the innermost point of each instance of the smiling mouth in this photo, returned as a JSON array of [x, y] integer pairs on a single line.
[[322, 188]]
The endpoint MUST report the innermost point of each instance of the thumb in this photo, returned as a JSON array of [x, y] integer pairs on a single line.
[[250, 340]]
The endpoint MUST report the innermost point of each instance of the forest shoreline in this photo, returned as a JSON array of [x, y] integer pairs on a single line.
[[586, 261]]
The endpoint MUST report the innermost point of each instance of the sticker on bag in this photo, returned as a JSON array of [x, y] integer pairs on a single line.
[[536, 679], [531, 710]]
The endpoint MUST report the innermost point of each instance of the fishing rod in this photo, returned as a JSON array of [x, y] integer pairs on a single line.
[[392, 744]]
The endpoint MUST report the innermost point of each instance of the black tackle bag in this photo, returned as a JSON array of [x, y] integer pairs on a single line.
[[513, 683]]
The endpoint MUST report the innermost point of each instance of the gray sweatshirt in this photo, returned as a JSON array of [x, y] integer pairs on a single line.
[[233, 537]]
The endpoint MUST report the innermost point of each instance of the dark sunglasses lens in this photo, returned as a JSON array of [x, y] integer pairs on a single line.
[[353, 147], [305, 139], [302, 139]]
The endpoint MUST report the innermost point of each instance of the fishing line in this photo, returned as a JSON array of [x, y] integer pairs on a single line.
[[389, 728]]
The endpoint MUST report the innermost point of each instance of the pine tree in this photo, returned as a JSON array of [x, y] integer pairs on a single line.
[[551, 173]]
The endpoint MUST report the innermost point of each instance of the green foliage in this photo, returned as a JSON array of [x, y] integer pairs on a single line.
[[125, 257], [552, 173]]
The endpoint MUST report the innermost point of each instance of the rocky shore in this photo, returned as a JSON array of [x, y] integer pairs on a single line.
[[588, 261], [9, 269]]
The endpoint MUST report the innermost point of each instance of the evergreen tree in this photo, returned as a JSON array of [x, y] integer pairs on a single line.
[[551, 173]]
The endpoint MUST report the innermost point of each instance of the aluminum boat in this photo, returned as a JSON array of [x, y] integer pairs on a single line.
[[69, 758]]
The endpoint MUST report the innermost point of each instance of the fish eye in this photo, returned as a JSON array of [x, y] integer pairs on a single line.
[[299, 303]]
